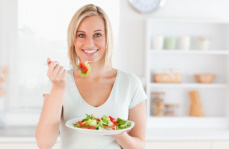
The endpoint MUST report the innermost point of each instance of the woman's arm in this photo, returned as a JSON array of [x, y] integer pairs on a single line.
[[135, 139], [48, 125]]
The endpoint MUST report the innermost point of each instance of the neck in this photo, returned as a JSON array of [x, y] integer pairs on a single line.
[[97, 70]]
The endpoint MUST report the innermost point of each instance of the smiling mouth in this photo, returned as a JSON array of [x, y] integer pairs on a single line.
[[90, 51]]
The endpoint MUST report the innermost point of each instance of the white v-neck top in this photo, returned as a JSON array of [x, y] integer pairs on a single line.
[[126, 93]]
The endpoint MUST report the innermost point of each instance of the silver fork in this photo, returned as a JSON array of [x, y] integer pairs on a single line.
[[69, 67]]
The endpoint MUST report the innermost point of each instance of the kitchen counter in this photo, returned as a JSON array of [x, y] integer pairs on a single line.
[[187, 134], [27, 134], [17, 134], [25, 131]]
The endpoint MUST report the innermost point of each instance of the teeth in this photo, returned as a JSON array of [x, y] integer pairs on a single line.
[[93, 51]]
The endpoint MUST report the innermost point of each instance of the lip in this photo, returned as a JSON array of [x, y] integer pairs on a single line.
[[90, 54]]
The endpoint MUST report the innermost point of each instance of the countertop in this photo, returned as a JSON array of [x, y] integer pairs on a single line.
[[187, 134], [27, 134], [17, 134]]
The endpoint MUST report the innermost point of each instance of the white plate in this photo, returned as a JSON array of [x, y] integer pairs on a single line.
[[70, 123]]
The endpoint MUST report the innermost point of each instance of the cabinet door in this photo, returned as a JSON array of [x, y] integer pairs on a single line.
[[18, 145], [23, 146], [220, 145], [178, 145]]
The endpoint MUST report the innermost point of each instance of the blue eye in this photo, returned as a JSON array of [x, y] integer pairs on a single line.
[[98, 35], [81, 35]]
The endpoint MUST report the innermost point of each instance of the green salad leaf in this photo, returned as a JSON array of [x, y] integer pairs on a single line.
[[88, 67], [104, 123]]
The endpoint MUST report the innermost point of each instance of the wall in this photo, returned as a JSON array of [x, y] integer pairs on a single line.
[[130, 52]]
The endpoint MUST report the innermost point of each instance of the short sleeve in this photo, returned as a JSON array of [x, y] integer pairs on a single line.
[[48, 87], [139, 94]]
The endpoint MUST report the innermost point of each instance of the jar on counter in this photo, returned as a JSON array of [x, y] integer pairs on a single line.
[[171, 109], [157, 103]]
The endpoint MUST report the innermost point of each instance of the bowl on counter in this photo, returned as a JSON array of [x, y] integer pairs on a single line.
[[204, 78]]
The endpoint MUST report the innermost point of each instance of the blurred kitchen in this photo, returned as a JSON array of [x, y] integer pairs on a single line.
[[179, 49]]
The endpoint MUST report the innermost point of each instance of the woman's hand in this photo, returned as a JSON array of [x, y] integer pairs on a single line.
[[56, 73], [120, 135]]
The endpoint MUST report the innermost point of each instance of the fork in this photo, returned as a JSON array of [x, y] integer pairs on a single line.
[[69, 67]]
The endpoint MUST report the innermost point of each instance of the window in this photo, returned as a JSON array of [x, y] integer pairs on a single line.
[[41, 32]]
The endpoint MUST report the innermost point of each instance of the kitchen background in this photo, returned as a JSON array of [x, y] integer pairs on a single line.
[[180, 52]]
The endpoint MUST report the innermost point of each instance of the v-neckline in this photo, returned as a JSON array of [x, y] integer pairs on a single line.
[[112, 90]]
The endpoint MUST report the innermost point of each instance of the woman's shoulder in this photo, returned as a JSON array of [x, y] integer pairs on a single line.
[[128, 77]]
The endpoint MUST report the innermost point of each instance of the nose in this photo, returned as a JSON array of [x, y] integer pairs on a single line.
[[90, 41]]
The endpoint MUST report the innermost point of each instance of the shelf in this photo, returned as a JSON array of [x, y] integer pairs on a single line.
[[187, 85], [187, 118], [187, 122], [214, 96], [188, 20], [178, 51], [178, 134]]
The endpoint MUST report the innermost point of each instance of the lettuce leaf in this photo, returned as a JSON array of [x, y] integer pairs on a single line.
[[88, 67]]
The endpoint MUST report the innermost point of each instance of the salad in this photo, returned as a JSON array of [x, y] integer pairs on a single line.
[[104, 123], [85, 68]]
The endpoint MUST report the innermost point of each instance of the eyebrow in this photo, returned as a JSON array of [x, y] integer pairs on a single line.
[[94, 31]]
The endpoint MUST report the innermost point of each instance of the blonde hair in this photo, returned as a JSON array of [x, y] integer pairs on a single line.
[[83, 12]]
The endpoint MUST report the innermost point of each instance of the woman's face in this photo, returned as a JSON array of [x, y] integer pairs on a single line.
[[90, 39]]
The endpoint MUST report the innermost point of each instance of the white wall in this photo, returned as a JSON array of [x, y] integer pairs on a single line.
[[130, 52], [5, 24]]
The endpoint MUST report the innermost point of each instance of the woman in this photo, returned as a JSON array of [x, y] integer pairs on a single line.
[[104, 91]]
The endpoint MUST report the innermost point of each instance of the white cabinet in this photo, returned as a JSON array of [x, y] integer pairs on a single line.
[[149, 145], [187, 145], [220, 145], [179, 145], [214, 96], [23, 146], [18, 145]]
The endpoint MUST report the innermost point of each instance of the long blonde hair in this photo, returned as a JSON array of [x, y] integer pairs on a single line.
[[83, 12]]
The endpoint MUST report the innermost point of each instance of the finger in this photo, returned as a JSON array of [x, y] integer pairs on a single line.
[[64, 74], [51, 67], [55, 71], [60, 72], [48, 61], [128, 130]]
